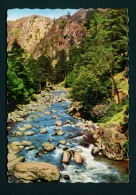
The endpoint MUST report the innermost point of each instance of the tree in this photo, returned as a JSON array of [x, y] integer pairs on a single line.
[[68, 14], [17, 94], [60, 71]]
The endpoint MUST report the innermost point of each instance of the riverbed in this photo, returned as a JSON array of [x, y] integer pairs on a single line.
[[94, 169]]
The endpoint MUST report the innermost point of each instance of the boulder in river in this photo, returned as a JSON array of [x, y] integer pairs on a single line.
[[48, 147], [95, 150], [32, 147], [29, 133], [60, 132], [53, 110], [26, 143], [78, 158], [63, 142], [17, 134], [66, 157], [21, 129], [58, 123], [66, 177], [43, 131], [27, 126], [36, 170], [47, 113]]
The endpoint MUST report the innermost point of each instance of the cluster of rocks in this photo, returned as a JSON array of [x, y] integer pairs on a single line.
[[74, 109], [107, 141], [71, 154], [41, 102]]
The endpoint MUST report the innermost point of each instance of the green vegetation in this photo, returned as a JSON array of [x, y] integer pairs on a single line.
[[25, 76], [95, 71], [126, 148], [63, 23], [103, 55]]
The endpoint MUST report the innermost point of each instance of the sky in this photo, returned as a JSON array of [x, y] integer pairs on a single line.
[[14, 14]]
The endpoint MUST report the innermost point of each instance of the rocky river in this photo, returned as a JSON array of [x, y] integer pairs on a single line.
[[44, 144]]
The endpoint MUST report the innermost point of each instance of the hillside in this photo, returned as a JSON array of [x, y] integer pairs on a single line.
[[28, 31], [40, 35]]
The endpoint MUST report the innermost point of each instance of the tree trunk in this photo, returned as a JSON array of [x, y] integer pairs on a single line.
[[114, 88]]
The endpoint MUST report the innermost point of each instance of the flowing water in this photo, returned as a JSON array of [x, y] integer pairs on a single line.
[[92, 170]]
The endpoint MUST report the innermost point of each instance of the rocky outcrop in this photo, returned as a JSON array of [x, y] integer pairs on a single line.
[[34, 171], [74, 108], [28, 31], [15, 147], [107, 141], [13, 160]]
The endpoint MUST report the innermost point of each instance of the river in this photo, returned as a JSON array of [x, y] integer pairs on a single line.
[[94, 169]]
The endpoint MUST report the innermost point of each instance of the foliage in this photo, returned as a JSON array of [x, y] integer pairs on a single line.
[[60, 70], [103, 55], [126, 148], [63, 23]]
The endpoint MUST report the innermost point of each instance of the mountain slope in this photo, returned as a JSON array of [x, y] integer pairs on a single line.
[[28, 31]]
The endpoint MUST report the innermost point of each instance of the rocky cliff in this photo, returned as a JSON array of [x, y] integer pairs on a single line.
[[28, 31], [40, 35]]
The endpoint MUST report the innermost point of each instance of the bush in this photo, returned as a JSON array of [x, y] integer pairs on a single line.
[[126, 148], [34, 98], [63, 23]]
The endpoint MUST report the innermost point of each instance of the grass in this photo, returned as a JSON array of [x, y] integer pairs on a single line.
[[118, 118]]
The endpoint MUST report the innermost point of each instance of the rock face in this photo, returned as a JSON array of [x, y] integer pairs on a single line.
[[28, 31], [36, 170], [41, 35]]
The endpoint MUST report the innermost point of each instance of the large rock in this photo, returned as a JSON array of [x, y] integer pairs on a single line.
[[36, 170], [29, 133], [15, 147], [95, 150], [78, 158], [17, 134], [60, 132], [58, 123], [27, 126], [66, 157], [13, 160], [48, 113], [48, 147], [22, 129], [42, 131], [26, 143], [63, 142]]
